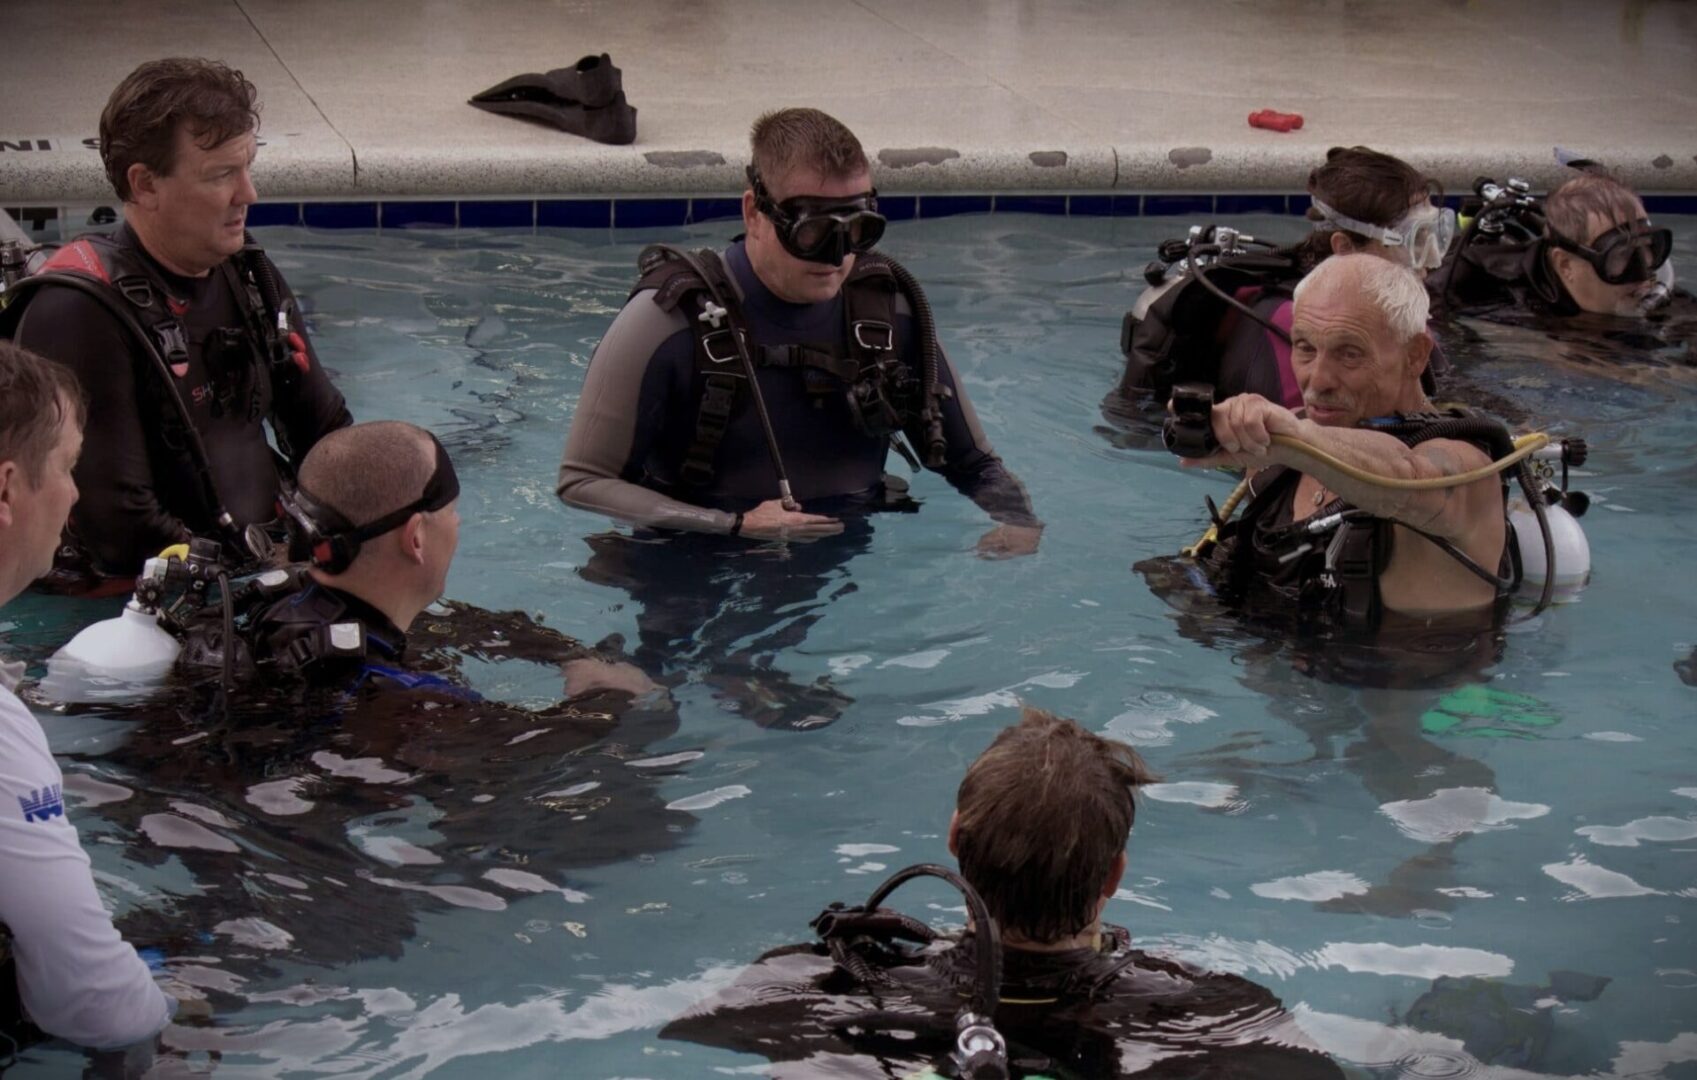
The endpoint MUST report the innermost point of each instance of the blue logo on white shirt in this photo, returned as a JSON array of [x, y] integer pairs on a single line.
[[43, 804]]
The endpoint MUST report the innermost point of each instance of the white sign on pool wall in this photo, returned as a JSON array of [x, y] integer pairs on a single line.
[[46, 144], [53, 144]]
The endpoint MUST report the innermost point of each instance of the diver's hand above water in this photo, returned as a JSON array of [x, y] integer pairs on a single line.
[[770, 521], [1245, 426], [1009, 541]]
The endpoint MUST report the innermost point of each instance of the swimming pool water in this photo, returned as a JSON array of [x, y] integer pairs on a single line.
[[1343, 846]]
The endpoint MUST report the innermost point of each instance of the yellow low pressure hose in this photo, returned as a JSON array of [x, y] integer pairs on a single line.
[[1524, 447]]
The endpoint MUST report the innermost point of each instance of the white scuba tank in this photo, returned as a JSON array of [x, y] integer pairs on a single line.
[[114, 658], [1572, 550]]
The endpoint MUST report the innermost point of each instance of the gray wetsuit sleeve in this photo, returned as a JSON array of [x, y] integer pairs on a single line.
[[971, 464], [609, 440]]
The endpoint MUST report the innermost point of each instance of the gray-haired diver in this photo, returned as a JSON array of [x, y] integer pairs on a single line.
[[1218, 306], [1037, 985]]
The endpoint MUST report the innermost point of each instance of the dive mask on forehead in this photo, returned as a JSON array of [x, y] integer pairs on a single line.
[[330, 541], [1626, 254], [1421, 236], [821, 229]]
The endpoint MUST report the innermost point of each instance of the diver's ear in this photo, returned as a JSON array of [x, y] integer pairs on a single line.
[[9, 495], [1419, 353], [1116, 874], [1341, 244], [1562, 262], [412, 538], [144, 185], [954, 834], [750, 216]]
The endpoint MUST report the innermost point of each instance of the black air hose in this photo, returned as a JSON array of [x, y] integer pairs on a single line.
[[936, 444], [197, 449]]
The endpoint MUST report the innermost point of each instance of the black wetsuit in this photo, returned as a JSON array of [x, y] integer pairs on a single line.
[[635, 423], [140, 490], [1113, 1011], [1484, 275]]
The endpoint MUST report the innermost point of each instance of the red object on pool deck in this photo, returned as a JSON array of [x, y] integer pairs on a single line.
[[1275, 121]]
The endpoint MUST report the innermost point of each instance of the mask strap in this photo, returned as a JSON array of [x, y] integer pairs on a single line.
[[1389, 237]]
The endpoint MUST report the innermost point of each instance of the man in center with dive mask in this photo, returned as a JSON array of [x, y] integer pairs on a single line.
[[754, 395]]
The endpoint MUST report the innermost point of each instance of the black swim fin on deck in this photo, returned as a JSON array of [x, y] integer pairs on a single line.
[[585, 99]]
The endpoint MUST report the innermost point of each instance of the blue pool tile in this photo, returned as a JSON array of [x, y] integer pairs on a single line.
[[406, 215], [649, 213], [899, 207], [1090, 205], [1670, 204], [1031, 204], [497, 214], [1128, 205], [259, 215], [715, 209], [1178, 205], [936, 206], [574, 213], [1249, 204], [330, 215]]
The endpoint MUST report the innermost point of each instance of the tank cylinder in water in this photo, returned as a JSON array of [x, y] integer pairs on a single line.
[[1572, 550], [112, 659]]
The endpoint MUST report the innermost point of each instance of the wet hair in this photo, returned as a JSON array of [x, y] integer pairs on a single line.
[[141, 118], [1043, 814], [789, 139], [1568, 209], [367, 470], [36, 397], [1393, 289], [1365, 185]]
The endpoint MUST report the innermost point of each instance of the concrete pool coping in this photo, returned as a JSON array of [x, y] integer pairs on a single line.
[[367, 102]]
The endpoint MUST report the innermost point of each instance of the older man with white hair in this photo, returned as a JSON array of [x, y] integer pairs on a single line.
[[1316, 533]]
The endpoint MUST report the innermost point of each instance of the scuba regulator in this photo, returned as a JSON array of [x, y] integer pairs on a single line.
[[863, 938], [1189, 431]]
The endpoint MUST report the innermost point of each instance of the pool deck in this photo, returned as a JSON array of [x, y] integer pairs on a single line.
[[366, 99]]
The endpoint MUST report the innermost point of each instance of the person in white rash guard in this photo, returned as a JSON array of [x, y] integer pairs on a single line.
[[76, 977]]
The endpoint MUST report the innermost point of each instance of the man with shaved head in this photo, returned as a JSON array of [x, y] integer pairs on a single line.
[[1314, 534], [375, 516]]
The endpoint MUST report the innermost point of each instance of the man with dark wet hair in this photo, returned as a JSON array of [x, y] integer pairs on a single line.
[[184, 334], [670, 434], [1597, 253], [61, 960], [1040, 828]]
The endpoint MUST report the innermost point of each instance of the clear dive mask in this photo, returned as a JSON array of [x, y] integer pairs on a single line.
[[821, 229], [1420, 237]]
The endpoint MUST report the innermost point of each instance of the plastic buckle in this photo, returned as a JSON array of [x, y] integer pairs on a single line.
[[888, 331]]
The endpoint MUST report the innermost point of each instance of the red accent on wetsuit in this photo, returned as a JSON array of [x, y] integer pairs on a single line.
[[1290, 395], [297, 352], [79, 257]]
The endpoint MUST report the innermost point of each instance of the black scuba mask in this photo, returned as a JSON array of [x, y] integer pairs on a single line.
[[1626, 254], [819, 229], [330, 541]]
